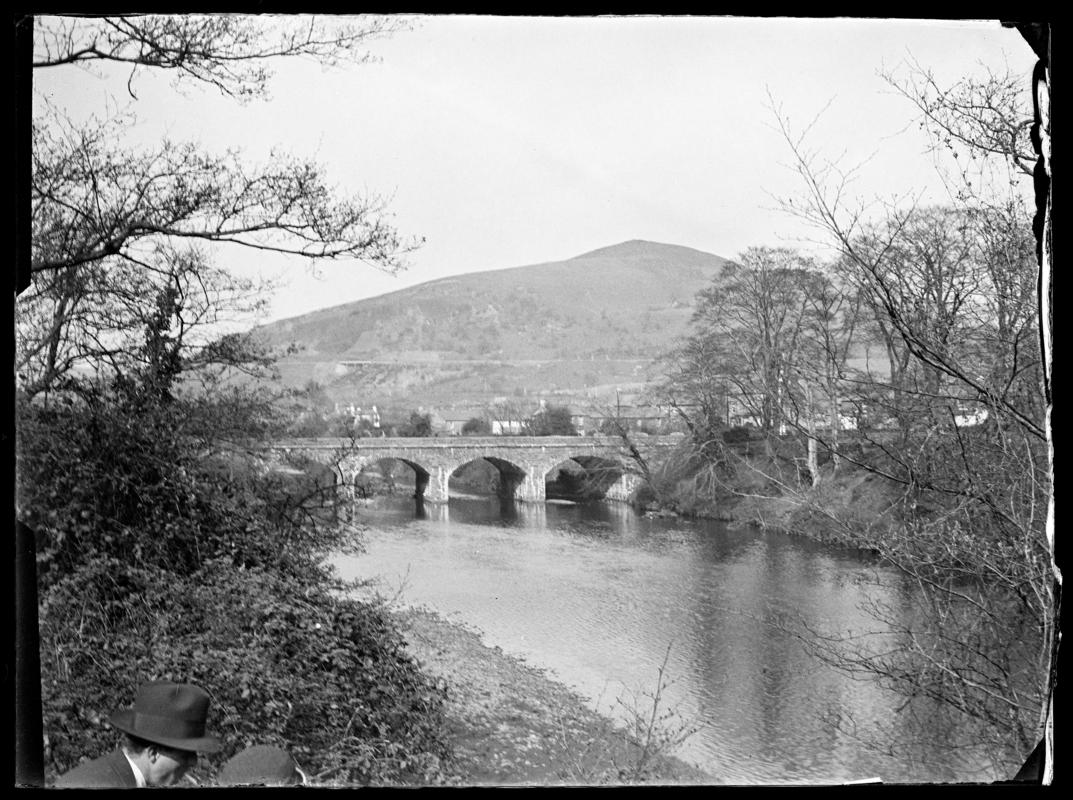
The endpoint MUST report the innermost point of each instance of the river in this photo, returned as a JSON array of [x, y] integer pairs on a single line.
[[602, 597]]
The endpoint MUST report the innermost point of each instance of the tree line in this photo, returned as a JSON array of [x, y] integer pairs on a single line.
[[911, 355]]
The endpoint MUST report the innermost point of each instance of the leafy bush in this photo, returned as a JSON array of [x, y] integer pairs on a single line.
[[551, 421], [737, 435], [101, 478], [163, 554], [310, 425], [477, 426], [286, 663], [418, 425]]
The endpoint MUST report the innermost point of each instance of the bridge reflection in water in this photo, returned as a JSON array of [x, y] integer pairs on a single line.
[[491, 510], [523, 462]]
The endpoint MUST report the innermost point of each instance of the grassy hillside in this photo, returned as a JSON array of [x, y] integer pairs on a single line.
[[592, 321]]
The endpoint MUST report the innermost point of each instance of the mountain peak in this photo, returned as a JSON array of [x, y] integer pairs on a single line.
[[636, 248]]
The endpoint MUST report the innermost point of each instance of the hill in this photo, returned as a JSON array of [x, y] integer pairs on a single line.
[[585, 326]]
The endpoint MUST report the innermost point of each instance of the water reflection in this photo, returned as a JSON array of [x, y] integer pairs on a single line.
[[600, 595]]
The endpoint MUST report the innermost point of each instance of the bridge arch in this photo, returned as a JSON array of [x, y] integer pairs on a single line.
[[508, 475], [519, 478], [585, 476], [361, 477]]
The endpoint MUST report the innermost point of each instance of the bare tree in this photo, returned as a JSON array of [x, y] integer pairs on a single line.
[[95, 199], [879, 249], [831, 337], [111, 222], [231, 53], [91, 319], [748, 324], [977, 119], [949, 290], [696, 387]]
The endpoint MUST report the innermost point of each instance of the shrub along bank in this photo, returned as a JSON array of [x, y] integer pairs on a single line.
[[744, 480], [163, 555]]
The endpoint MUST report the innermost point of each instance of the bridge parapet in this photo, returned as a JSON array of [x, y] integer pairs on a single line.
[[471, 442], [434, 459]]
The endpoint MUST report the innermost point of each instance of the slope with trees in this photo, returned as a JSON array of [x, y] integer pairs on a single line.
[[592, 321]]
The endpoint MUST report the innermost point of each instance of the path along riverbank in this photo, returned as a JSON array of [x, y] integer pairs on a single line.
[[512, 724]]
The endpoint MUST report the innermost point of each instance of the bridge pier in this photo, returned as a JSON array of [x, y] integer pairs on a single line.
[[432, 486], [623, 488], [532, 489]]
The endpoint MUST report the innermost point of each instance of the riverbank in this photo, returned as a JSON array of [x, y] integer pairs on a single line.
[[511, 724], [754, 488]]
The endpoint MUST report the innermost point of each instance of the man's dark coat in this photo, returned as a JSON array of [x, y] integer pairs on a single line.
[[106, 772]]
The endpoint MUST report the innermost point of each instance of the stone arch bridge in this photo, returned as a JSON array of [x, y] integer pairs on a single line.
[[523, 462]]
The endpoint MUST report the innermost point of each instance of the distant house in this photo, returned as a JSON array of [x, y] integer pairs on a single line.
[[635, 417], [372, 417], [968, 417], [640, 417], [456, 418], [507, 427], [510, 417], [504, 418], [358, 415]]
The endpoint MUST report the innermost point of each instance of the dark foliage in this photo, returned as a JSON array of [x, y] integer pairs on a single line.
[[477, 426], [164, 554], [551, 421], [418, 425], [737, 435]]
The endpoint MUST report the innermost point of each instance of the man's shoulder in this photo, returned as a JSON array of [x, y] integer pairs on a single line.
[[109, 771]]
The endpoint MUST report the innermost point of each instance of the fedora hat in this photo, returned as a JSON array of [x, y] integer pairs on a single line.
[[171, 714], [260, 765]]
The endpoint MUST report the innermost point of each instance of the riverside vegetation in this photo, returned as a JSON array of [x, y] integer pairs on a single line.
[[164, 553], [934, 454]]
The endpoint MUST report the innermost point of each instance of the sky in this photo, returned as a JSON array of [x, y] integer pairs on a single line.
[[507, 141]]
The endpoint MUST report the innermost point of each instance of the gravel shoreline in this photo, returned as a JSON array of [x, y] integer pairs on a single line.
[[511, 724]]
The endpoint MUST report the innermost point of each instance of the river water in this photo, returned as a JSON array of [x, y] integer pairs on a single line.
[[602, 597]]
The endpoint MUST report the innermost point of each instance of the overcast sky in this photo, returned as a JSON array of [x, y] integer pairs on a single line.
[[506, 141]]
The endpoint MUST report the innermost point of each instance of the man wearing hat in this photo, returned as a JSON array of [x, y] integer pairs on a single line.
[[165, 730]]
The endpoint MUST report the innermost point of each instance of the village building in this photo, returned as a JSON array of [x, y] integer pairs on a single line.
[[357, 415]]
